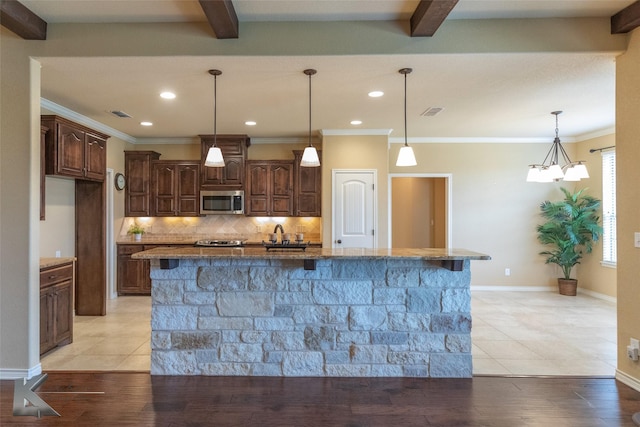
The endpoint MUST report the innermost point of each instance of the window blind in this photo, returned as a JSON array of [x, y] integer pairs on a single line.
[[609, 253]]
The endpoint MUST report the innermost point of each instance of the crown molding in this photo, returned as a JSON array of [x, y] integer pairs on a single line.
[[355, 132], [84, 120]]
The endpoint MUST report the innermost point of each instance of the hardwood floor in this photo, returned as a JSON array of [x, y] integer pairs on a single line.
[[138, 399]]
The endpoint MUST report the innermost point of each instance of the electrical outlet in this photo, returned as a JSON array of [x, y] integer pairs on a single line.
[[507, 272], [58, 254], [258, 229], [636, 239], [634, 343], [632, 353]]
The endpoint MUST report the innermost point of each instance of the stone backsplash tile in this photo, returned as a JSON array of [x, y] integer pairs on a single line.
[[225, 226]]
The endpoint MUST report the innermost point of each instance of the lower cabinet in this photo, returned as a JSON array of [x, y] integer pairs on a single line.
[[134, 274], [56, 306]]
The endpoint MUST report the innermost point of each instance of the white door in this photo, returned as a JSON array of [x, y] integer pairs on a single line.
[[354, 211]]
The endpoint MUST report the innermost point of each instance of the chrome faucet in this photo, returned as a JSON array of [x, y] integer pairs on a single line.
[[275, 231]]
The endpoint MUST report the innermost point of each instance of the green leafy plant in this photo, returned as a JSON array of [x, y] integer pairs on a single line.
[[135, 229], [572, 226]]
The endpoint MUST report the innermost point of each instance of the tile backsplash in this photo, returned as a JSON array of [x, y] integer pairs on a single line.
[[226, 226]]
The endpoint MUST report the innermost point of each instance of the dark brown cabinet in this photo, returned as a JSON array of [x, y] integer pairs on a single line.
[[175, 188], [269, 188], [234, 152], [73, 150], [56, 306], [133, 274], [137, 167], [307, 186]]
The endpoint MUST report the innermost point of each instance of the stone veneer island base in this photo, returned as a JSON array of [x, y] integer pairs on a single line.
[[322, 312]]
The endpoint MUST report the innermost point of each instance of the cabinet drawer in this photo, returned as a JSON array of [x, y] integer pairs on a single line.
[[57, 274], [129, 249]]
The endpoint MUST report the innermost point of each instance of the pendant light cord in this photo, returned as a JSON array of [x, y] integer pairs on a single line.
[[215, 108], [310, 109], [405, 110]]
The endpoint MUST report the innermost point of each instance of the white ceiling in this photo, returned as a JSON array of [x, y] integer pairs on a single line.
[[484, 96]]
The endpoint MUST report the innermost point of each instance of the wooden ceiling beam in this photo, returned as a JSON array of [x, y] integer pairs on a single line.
[[627, 19], [429, 15], [18, 18], [222, 18]]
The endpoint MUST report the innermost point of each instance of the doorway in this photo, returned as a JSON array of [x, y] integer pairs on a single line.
[[420, 211]]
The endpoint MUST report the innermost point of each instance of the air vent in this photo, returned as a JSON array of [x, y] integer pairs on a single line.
[[120, 114], [432, 111]]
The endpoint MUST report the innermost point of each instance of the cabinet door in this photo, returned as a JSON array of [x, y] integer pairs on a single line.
[[70, 151], [307, 188], [188, 190], [163, 189], [233, 171], [280, 186], [46, 320], [257, 189], [95, 157], [132, 275], [137, 192], [62, 312]]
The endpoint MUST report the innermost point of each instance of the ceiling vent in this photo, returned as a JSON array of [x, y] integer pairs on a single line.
[[120, 114], [432, 111]]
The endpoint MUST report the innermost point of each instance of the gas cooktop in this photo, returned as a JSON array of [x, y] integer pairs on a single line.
[[220, 243]]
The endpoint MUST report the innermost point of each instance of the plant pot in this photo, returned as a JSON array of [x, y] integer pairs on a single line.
[[137, 237], [567, 287]]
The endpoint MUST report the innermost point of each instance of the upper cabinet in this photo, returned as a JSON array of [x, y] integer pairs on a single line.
[[234, 150], [308, 188], [269, 188], [73, 150], [175, 187], [137, 171]]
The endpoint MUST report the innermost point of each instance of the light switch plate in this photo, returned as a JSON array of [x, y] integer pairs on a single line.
[[636, 239]]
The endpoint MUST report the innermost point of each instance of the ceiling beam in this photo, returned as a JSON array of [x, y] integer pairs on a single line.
[[627, 19], [222, 18], [16, 17], [429, 15]]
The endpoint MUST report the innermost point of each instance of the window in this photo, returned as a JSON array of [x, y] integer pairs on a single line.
[[609, 253]]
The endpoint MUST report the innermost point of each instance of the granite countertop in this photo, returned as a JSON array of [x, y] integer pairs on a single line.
[[52, 262], [310, 253]]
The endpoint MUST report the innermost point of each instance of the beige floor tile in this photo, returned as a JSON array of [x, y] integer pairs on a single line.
[[514, 333]]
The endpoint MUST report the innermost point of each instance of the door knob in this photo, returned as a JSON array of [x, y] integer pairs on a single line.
[[338, 241]]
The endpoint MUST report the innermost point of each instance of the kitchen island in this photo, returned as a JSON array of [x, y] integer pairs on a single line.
[[317, 312]]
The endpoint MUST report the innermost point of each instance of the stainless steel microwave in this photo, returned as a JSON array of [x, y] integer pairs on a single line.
[[222, 202]]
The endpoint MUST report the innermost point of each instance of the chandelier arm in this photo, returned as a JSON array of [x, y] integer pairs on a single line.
[[565, 156]]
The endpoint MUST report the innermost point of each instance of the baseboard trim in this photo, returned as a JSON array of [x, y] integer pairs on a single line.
[[598, 295], [514, 288], [588, 292], [15, 374], [627, 379]]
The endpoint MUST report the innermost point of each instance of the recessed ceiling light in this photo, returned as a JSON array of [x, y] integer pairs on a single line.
[[146, 123], [376, 94], [250, 123], [356, 122], [167, 95]]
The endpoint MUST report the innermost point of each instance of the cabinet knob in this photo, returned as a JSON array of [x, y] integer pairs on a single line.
[[53, 276]]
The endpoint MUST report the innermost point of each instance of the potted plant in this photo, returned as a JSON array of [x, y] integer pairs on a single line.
[[572, 226], [136, 230]]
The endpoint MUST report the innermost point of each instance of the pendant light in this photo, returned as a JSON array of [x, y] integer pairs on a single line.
[[310, 155], [214, 155], [550, 170], [405, 156]]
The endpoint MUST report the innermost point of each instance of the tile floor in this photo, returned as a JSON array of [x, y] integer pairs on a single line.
[[514, 333]]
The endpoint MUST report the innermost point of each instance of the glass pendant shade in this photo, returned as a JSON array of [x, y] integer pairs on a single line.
[[571, 174], [556, 172], [545, 175], [406, 157], [534, 174], [581, 171], [310, 157], [214, 158]]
